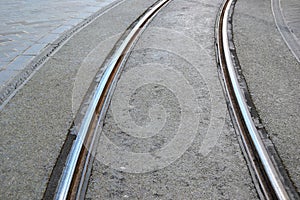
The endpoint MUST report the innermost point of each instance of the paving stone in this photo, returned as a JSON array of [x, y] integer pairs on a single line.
[[48, 38], [30, 24], [19, 63], [5, 76], [61, 29], [35, 122], [34, 49]]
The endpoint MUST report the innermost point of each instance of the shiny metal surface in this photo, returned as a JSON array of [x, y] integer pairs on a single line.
[[268, 165], [73, 158]]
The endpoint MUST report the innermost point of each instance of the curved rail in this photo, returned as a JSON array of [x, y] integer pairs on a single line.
[[270, 179], [78, 158], [287, 35]]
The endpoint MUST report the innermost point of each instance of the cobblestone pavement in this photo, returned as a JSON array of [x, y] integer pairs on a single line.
[[28, 26], [35, 122]]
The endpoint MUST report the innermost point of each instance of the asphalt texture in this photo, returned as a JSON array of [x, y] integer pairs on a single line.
[[287, 18], [272, 74], [35, 122], [290, 10], [167, 134]]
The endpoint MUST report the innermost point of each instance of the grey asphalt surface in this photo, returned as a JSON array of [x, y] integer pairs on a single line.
[[35, 122], [272, 74], [287, 18], [167, 134], [291, 13]]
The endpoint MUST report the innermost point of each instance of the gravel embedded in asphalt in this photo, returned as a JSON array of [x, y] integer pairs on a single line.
[[167, 134], [35, 122], [272, 74]]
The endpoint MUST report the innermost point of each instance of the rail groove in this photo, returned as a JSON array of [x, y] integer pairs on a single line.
[[73, 181], [269, 176]]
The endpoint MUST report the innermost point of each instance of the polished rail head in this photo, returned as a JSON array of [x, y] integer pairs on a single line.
[[68, 173], [224, 50]]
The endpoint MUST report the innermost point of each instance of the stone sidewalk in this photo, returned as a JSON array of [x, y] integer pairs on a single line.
[[28, 26], [36, 121]]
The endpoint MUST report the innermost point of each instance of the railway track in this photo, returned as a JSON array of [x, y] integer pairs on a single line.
[[74, 179], [268, 173]]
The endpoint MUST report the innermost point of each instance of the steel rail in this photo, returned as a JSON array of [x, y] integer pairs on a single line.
[[265, 170], [103, 90]]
